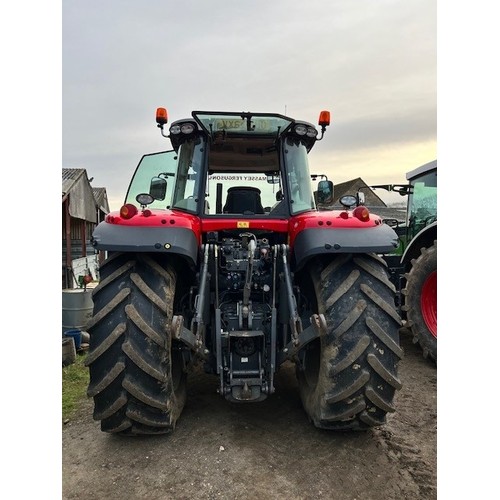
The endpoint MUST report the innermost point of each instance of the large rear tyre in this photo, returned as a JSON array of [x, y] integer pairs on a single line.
[[137, 376], [421, 301], [348, 377]]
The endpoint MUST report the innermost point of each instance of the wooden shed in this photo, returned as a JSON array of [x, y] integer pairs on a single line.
[[83, 207]]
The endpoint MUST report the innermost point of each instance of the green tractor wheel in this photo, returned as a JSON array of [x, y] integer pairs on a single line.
[[421, 300]]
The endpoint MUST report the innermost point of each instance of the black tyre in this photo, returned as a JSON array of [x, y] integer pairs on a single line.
[[137, 378], [421, 301], [348, 377]]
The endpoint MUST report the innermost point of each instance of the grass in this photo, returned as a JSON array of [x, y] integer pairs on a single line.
[[75, 379]]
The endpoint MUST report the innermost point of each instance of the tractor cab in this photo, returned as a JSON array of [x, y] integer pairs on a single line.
[[230, 164]]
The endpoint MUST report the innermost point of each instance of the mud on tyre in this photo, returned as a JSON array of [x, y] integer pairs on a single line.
[[137, 378], [348, 377]]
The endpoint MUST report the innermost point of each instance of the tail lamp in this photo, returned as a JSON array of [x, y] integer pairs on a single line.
[[361, 213], [128, 211]]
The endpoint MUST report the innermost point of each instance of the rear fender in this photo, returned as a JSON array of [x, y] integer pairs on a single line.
[[167, 240], [425, 238], [312, 242]]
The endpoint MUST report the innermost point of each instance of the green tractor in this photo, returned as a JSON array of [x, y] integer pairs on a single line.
[[414, 263]]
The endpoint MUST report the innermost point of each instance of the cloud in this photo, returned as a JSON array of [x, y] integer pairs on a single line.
[[372, 64]]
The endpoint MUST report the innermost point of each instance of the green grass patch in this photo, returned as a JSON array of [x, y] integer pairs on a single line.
[[75, 379]]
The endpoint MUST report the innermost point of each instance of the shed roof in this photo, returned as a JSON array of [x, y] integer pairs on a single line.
[[101, 198], [76, 186], [352, 186]]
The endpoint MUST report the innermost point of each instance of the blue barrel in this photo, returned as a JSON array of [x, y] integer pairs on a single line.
[[77, 337]]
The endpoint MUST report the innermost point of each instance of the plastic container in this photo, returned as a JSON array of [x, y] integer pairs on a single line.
[[77, 306], [77, 337]]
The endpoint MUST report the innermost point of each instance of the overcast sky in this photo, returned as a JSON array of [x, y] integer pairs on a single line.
[[371, 63]]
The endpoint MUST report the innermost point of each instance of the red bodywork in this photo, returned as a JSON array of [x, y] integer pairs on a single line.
[[292, 227]]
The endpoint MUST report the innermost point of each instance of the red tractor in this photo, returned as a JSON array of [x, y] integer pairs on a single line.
[[220, 257]]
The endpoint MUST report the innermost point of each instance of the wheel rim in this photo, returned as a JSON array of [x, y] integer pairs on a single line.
[[428, 303]]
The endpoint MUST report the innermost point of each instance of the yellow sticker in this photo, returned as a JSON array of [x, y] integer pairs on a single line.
[[241, 224]]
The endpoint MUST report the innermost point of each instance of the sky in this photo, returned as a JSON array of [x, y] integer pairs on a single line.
[[373, 65]]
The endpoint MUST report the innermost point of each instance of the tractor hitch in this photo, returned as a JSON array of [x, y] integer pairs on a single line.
[[316, 329]]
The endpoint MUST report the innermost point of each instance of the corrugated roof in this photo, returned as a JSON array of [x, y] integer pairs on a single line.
[[76, 186], [101, 198], [351, 187], [70, 177]]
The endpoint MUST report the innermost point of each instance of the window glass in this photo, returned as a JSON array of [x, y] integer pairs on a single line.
[[250, 192], [243, 123], [423, 202], [179, 171], [298, 177]]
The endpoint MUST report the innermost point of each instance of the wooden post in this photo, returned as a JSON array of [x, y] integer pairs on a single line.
[[68, 242], [84, 238]]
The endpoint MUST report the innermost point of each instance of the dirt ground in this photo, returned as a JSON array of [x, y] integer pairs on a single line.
[[266, 450]]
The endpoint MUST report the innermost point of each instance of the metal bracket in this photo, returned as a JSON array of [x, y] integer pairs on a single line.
[[295, 322], [187, 337], [316, 329], [200, 318]]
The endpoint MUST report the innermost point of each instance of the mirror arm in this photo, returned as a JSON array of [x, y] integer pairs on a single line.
[[402, 189]]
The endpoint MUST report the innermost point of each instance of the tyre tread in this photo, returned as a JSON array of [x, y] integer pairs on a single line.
[[356, 377], [130, 358]]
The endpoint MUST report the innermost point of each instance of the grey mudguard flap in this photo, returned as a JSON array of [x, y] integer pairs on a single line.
[[173, 240], [312, 242]]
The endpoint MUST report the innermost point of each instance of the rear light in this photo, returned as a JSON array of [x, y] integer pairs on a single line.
[[187, 128], [144, 199], [324, 118], [348, 200], [161, 116], [361, 213], [300, 129], [128, 211], [311, 132]]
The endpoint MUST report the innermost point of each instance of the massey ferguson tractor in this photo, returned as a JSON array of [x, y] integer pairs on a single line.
[[413, 266], [220, 259]]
